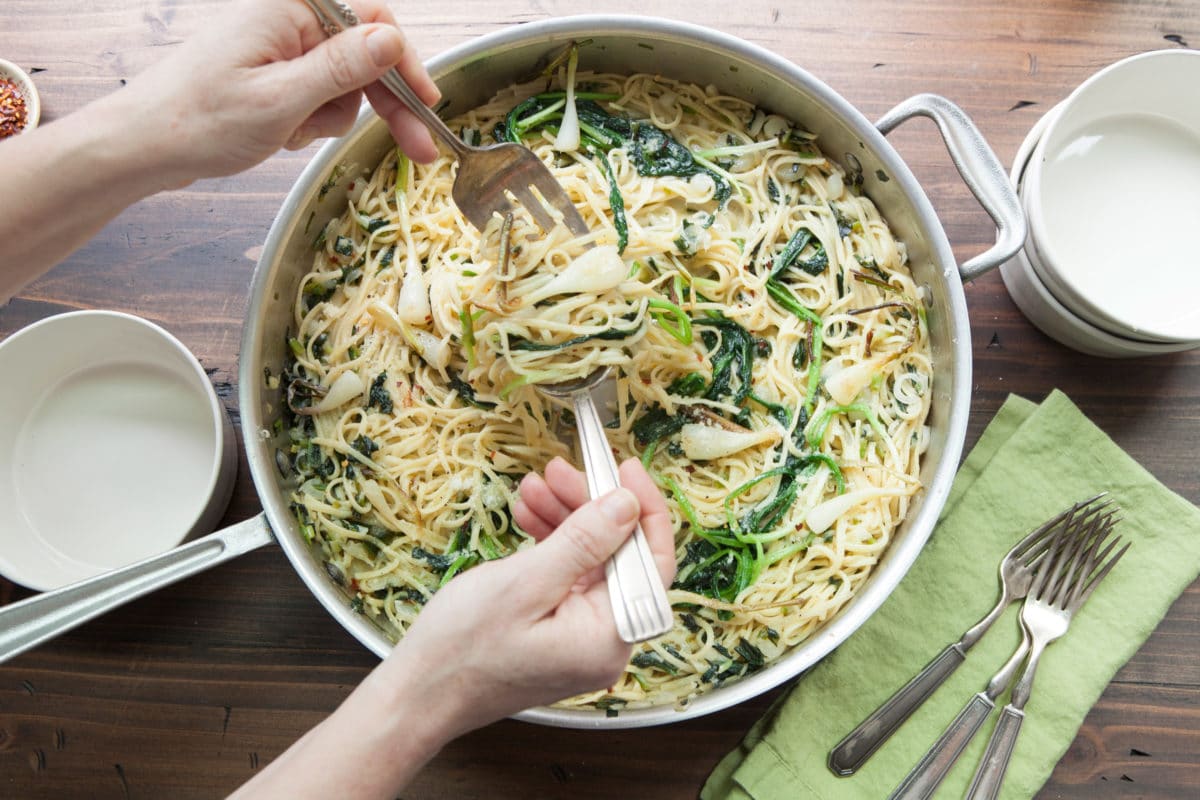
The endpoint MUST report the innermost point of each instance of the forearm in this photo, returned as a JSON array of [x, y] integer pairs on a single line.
[[373, 744], [64, 181]]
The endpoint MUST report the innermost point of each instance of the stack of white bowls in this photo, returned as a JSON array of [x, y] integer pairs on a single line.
[[1110, 182]]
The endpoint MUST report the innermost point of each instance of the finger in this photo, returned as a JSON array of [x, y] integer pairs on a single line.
[[655, 518], [538, 510], [568, 484], [332, 119], [530, 522], [581, 544], [410, 133], [343, 64], [553, 498]]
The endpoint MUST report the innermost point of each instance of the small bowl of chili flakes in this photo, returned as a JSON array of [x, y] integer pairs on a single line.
[[20, 108]]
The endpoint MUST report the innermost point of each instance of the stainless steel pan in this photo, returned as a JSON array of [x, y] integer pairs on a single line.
[[469, 75]]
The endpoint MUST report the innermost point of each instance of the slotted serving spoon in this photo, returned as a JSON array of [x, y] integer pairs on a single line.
[[486, 175], [639, 600]]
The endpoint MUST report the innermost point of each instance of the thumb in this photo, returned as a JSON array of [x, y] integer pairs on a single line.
[[584, 541], [347, 62]]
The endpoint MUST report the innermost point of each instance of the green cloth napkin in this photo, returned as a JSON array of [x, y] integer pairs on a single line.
[[1031, 462]]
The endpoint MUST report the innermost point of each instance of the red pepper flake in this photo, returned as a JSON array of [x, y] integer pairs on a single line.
[[13, 113]]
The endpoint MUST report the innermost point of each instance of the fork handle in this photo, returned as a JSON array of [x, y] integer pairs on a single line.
[[925, 777], [853, 751], [336, 17], [990, 775], [635, 589]]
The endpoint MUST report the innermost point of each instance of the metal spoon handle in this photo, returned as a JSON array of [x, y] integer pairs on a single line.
[[639, 599]]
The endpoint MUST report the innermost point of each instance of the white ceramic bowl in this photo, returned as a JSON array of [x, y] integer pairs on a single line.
[[114, 447], [33, 103], [1040, 305], [1112, 192]]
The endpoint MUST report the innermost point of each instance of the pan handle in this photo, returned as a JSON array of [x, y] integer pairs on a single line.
[[980, 170], [30, 622]]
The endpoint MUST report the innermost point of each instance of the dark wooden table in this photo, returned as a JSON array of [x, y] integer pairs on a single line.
[[187, 692]]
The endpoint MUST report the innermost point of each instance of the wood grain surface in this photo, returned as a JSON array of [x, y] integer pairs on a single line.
[[186, 693]]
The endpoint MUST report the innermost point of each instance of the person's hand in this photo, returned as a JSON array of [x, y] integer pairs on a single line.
[[526, 630], [537, 627], [268, 77]]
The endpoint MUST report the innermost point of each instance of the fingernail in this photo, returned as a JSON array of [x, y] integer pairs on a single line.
[[619, 506], [385, 46]]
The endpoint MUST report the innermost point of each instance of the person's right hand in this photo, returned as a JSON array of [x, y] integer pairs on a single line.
[[536, 627], [265, 76], [522, 631]]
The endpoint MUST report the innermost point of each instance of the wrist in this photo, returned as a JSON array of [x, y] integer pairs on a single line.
[[130, 136], [419, 700]]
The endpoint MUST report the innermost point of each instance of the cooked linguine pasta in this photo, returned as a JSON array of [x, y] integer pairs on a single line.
[[769, 343]]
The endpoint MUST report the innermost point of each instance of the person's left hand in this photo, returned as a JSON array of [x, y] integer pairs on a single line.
[[268, 78]]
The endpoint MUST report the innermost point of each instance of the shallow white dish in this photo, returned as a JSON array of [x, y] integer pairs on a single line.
[[1112, 192], [33, 103], [1040, 305], [114, 448], [1056, 321]]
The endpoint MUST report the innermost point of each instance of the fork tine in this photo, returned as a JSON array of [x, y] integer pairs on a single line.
[[1063, 558], [1095, 555], [1078, 527], [1099, 576], [557, 197], [1035, 544], [1092, 532], [534, 206], [1051, 561]]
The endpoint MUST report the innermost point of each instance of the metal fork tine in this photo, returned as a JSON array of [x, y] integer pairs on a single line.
[[1084, 544], [1043, 536], [558, 198], [534, 206], [1050, 563], [1095, 555], [1066, 555], [1099, 576], [1062, 560], [1061, 582], [553, 191]]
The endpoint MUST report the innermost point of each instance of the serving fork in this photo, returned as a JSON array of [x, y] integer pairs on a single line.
[[1064, 579], [1016, 574], [486, 175]]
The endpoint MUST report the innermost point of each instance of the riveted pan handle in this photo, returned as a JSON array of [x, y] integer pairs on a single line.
[[980, 170]]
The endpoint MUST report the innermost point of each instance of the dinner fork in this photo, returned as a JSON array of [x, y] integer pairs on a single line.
[[927, 775], [486, 175], [1054, 599], [1016, 573]]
